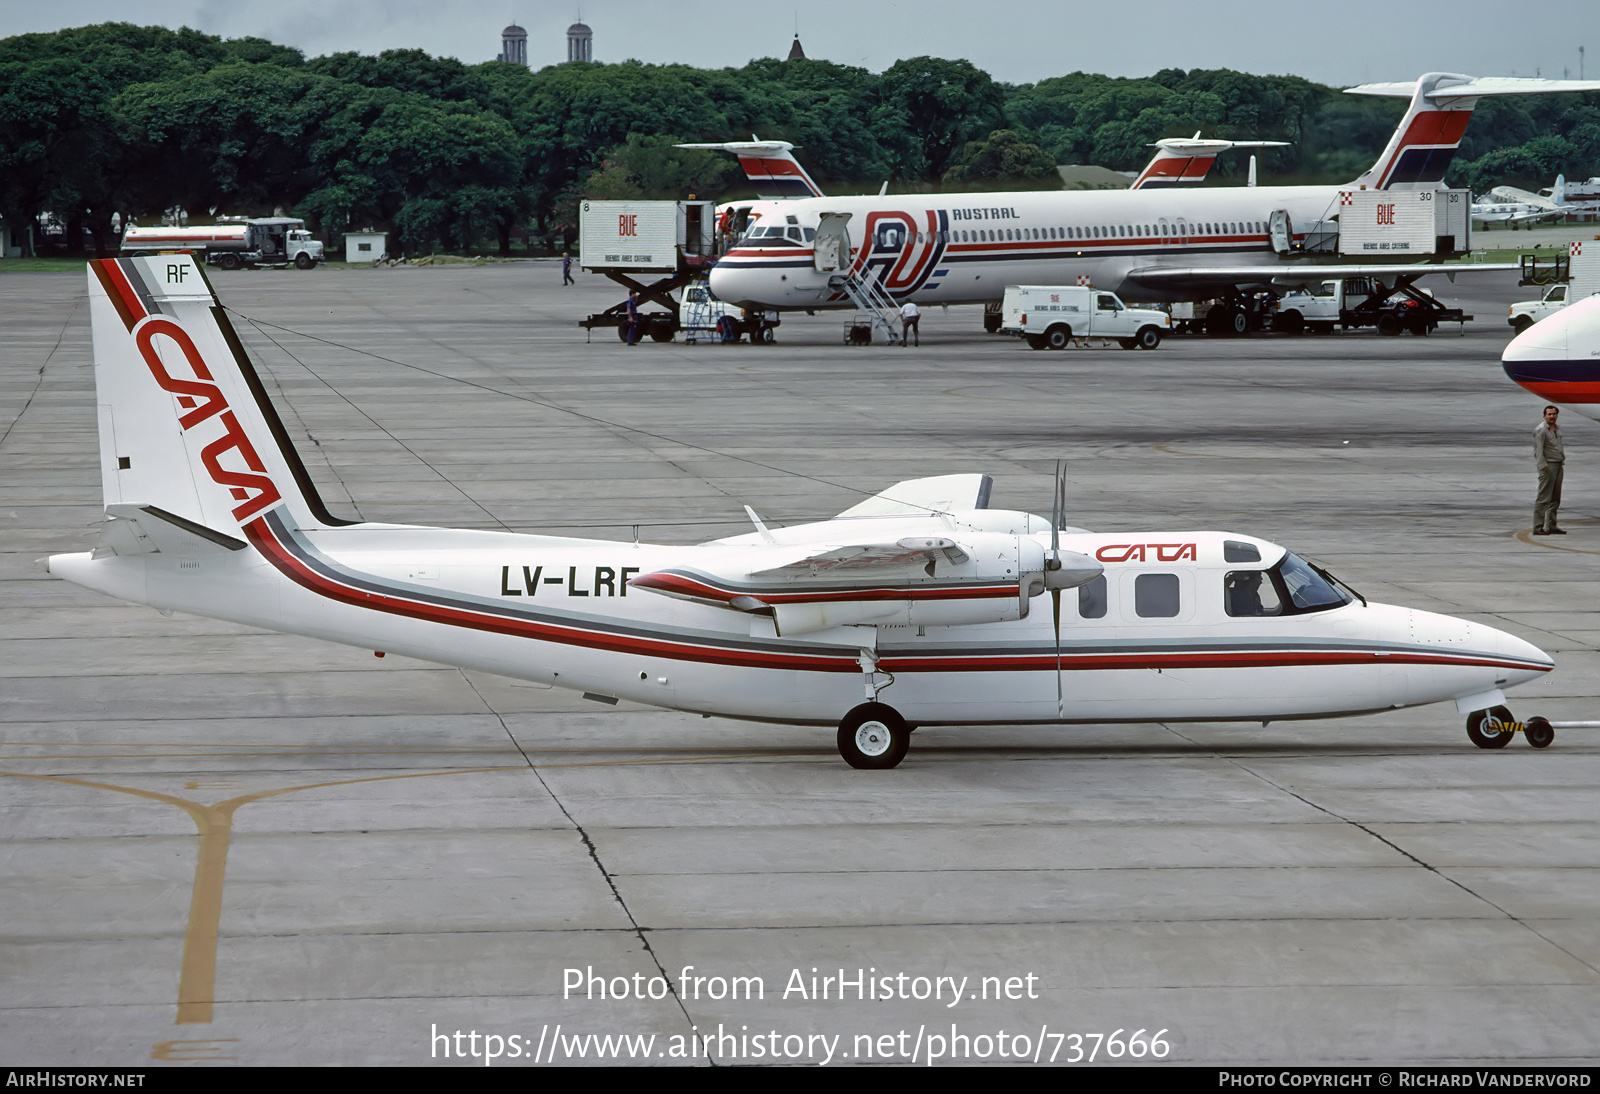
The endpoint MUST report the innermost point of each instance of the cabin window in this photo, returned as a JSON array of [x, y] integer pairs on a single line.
[[1234, 550], [1250, 593], [1092, 598], [1155, 596]]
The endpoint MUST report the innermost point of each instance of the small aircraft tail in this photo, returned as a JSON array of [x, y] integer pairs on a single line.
[[1185, 161], [770, 167], [186, 427], [1425, 141]]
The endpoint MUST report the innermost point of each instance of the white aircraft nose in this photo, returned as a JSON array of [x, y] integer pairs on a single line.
[[1513, 648], [736, 286], [1515, 661]]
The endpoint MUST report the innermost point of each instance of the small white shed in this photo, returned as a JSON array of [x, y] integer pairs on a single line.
[[364, 246]]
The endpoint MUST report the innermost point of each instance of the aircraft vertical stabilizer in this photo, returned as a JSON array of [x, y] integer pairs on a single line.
[[185, 425], [770, 167], [1425, 141]]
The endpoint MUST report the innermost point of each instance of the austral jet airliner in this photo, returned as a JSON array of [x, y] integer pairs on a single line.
[[918, 606], [1150, 244]]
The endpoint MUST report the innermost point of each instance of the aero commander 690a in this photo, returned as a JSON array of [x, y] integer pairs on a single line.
[[918, 606]]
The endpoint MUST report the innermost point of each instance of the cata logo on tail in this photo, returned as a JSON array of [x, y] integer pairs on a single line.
[[199, 400]]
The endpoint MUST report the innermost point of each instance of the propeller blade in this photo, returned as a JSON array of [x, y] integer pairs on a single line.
[[1055, 607], [1057, 515], [1058, 511]]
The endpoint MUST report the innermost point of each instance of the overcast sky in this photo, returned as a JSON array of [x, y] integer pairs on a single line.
[[1017, 41]]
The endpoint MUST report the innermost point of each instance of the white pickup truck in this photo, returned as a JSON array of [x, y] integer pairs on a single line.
[[1051, 317], [1583, 271]]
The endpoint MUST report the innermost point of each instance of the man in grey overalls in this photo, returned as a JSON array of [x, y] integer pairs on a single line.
[[1550, 458]]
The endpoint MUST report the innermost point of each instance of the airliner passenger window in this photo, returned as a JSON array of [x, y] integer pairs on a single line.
[[1250, 593], [1155, 596], [1092, 598]]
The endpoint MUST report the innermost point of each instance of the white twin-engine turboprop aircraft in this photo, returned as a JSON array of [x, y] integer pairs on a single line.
[[918, 606], [1149, 244]]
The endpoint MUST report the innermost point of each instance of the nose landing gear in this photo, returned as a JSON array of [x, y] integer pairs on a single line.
[[1494, 727]]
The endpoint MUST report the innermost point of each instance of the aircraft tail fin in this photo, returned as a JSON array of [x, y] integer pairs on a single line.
[[1425, 141], [1185, 161], [186, 427], [770, 166], [1558, 193]]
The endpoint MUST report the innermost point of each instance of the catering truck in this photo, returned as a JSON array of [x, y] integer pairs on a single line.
[[1583, 279], [1053, 317], [262, 241]]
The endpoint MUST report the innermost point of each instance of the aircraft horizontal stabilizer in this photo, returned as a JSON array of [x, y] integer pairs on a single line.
[[145, 529], [1473, 87]]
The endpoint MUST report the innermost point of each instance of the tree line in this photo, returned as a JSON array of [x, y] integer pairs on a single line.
[[128, 120]]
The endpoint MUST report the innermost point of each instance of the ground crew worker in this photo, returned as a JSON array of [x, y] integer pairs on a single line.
[[1550, 459], [910, 314]]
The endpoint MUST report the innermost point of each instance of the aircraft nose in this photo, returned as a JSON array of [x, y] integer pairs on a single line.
[[1558, 358], [733, 285], [1528, 662]]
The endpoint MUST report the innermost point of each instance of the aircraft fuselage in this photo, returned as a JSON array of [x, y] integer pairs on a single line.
[[966, 248]]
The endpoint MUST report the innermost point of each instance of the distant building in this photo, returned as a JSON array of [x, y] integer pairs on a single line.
[[580, 43], [514, 45], [796, 52]]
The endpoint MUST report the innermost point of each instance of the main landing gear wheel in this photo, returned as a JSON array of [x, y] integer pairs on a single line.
[[1483, 727], [874, 737], [1539, 732]]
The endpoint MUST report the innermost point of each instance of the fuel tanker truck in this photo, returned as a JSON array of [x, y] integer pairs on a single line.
[[264, 241]]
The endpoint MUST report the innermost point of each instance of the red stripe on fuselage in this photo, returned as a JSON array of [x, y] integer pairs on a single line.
[[1099, 661], [1564, 391], [261, 535]]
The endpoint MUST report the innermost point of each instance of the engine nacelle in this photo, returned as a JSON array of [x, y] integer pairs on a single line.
[[934, 581]]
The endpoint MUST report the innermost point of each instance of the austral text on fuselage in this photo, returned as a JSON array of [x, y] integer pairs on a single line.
[[984, 214]]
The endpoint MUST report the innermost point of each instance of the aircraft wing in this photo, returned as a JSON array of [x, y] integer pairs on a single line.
[[862, 560], [1534, 218], [919, 497], [1513, 196], [1221, 277]]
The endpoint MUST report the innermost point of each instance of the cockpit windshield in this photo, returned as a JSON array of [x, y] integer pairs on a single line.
[[777, 235], [1308, 590], [1292, 587]]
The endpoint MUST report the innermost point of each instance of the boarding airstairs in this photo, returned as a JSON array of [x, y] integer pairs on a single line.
[[874, 307]]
